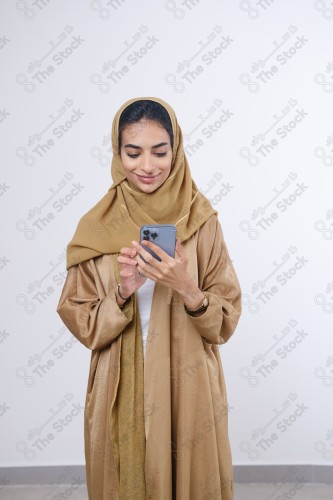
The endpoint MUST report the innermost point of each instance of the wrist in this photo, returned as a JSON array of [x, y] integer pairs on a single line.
[[193, 302], [192, 295], [121, 299]]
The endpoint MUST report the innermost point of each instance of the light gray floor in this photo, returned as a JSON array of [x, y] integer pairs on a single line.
[[251, 491]]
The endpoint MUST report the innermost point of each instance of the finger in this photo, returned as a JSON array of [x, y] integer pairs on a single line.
[[145, 269], [126, 260], [159, 251], [125, 274], [143, 253], [141, 272], [142, 266], [179, 248], [131, 252]]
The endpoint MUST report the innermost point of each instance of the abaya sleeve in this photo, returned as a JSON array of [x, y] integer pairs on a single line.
[[218, 280], [92, 316]]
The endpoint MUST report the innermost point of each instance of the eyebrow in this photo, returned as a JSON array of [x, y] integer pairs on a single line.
[[138, 147]]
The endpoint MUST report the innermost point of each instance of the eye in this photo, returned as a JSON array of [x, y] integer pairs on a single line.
[[160, 155]]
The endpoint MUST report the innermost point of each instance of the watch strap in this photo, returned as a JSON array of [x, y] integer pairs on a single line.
[[201, 308]]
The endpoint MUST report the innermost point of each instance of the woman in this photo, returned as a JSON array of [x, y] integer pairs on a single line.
[[156, 415]]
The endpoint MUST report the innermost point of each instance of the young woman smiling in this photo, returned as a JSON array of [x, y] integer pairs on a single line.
[[156, 412]]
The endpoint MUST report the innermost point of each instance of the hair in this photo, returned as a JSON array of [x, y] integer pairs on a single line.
[[148, 110]]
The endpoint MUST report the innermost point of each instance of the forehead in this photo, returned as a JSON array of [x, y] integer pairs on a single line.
[[145, 131]]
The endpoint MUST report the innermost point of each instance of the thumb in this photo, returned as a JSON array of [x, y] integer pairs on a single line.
[[179, 248]]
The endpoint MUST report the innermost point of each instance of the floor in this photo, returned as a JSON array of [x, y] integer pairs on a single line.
[[251, 491]]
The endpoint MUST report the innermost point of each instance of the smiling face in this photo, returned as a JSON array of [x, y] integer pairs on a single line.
[[146, 155]]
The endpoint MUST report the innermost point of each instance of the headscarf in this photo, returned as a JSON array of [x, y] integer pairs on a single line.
[[116, 219], [107, 227]]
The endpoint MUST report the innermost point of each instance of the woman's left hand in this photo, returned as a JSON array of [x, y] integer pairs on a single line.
[[171, 272]]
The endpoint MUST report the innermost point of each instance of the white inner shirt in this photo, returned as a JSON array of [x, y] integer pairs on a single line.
[[144, 296]]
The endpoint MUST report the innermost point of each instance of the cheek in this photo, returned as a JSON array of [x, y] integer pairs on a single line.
[[165, 165], [127, 165]]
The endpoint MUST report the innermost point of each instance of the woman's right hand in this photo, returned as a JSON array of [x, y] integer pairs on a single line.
[[130, 280]]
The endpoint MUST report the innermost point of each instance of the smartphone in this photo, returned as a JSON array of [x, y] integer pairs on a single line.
[[163, 235]]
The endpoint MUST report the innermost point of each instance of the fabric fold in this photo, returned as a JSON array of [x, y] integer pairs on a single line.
[[127, 411]]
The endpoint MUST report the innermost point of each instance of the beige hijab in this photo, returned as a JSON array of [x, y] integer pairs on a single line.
[[116, 219], [111, 224]]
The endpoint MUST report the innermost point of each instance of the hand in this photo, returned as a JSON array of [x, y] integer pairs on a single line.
[[130, 279], [170, 272]]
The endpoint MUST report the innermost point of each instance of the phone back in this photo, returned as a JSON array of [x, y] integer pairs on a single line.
[[163, 235]]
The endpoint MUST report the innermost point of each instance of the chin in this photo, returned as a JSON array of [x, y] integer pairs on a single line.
[[148, 188]]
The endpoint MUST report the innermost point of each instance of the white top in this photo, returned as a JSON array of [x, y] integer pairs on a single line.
[[144, 296]]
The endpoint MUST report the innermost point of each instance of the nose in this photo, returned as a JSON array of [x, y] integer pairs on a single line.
[[148, 165]]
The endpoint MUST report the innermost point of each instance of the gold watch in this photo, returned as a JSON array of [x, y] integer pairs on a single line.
[[201, 308]]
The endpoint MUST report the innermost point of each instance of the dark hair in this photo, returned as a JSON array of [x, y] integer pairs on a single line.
[[145, 109]]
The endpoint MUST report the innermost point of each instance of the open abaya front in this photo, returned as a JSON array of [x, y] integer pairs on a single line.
[[188, 454]]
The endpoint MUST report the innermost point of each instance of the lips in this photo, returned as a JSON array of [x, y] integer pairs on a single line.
[[147, 180], [147, 176]]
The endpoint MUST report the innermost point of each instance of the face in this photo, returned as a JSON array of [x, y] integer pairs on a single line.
[[146, 155]]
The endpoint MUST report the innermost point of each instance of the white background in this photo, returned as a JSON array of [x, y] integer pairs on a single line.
[[276, 65]]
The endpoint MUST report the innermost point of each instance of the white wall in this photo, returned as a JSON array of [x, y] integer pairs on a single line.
[[274, 152]]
